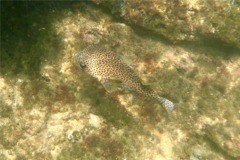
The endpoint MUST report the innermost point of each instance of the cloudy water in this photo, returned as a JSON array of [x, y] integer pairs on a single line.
[[188, 52]]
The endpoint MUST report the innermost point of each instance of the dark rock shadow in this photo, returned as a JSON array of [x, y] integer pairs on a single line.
[[28, 37]]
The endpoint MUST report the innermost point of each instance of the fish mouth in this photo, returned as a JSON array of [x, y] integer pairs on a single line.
[[78, 60], [77, 57]]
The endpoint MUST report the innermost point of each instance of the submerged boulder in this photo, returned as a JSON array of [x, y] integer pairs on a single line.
[[182, 20]]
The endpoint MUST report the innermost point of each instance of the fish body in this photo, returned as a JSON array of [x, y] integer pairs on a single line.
[[106, 65]]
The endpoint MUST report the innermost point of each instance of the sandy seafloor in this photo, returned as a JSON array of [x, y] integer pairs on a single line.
[[50, 109]]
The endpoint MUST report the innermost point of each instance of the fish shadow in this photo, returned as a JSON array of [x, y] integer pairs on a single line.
[[105, 105]]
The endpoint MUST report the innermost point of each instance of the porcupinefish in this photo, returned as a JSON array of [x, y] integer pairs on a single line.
[[106, 65]]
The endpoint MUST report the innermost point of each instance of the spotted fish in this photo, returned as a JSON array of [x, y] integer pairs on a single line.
[[105, 65]]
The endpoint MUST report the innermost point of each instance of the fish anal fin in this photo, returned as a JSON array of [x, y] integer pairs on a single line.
[[111, 85]]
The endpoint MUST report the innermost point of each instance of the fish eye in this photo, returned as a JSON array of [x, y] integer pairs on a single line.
[[82, 66]]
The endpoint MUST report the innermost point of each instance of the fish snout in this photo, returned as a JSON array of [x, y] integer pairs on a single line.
[[78, 60]]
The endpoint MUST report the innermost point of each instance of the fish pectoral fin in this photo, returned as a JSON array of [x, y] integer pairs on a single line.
[[111, 85], [146, 87], [147, 84]]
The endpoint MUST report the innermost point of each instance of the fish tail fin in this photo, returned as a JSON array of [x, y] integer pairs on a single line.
[[166, 103]]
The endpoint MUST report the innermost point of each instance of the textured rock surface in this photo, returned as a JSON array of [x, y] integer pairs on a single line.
[[184, 19], [49, 109]]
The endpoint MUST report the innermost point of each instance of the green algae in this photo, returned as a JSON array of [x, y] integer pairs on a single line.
[[5, 110], [22, 27], [206, 105], [181, 20]]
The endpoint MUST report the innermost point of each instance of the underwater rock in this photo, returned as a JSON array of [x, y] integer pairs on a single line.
[[182, 20], [50, 110]]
